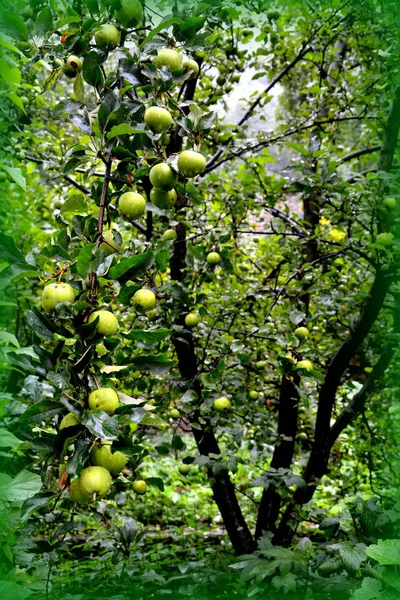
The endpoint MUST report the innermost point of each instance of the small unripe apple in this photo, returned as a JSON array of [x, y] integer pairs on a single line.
[[253, 395], [139, 486], [68, 421], [157, 118], [191, 163], [174, 413], [3, 176], [77, 494], [162, 176], [169, 235], [104, 399], [213, 258], [184, 469], [301, 333], [111, 246], [162, 198], [130, 13], [390, 203], [260, 364], [56, 292], [221, 404], [191, 320], [167, 57], [305, 364], [117, 463], [385, 239], [72, 66], [190, 64], [131, 205], [302, 436], [152, 314], [95, 480], [144, 300], [107, 37], [100, 456], [107, 324]]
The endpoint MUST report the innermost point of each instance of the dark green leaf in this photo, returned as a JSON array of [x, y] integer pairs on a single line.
[[132, 266], [100, 424]]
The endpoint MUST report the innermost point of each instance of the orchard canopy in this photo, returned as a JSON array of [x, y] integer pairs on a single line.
[[199, 266]]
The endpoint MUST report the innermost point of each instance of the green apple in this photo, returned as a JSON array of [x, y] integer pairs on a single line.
[[72, 66], [191, 320], [56, 292], [130, 13], [104, 399], [100, 456], [191, 163], [213, 258], [174, 413], [111, 246], [68, 421], [77, 494], [107, 324], [24, 100], [162, 176], [221, 404], [3, 176], [190, 64], [139, 486], [152, 314], [253, 395], [184, 469], [95, 480], [117, 463], [107, 37], [302, 436], [163, 198], [385, 239], [131, 205], [390, 203], [260, 364], [157, 118], [167, 57], [169, 235], [305, 364], [144, 300], [301, 333]]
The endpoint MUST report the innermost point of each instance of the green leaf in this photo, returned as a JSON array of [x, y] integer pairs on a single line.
[[156, 482], [178, 443], [100, 424], [386, 552], [371, 589], [192, 26], [76, 205], [40, 324], [9, 338], [23, 486], [12, 272], [132, 266], [152, 420], [352, 556], [91, 71], [44, 22], [13, 25], [51, 79], [40, 411], [8, 439], [11, 75], [123, 129], [157, 364], [33, 503], [163, 25], [149, 337], [79, 89], [10, 589], [9, 253], [296, 317], [84, 259], [15, 174]]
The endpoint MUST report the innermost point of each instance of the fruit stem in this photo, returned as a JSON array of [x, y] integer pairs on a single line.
[[96, 382]]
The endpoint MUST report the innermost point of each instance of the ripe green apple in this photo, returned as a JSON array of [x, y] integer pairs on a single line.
[[174, 413], [167, 57], [157, 118], [253, 395], [117, 463], [144, 300], [191, 163], [139, 486], [68, 421], [221, 404], [100, 456], [305, 364], [301, 333], [163, 198], [191, 320], [77, 494], [190, 64], [130, 13], [385, 239], [107, 37], [104, 399], [184, 469], [56, 292], [213, 258], [108, 236], [390, 203], [169, 235], [107, 324], [95, 480], [131, 205], [162, 176], [72, 66]]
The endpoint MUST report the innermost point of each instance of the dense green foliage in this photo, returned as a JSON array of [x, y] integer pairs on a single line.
[[226, 266]]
